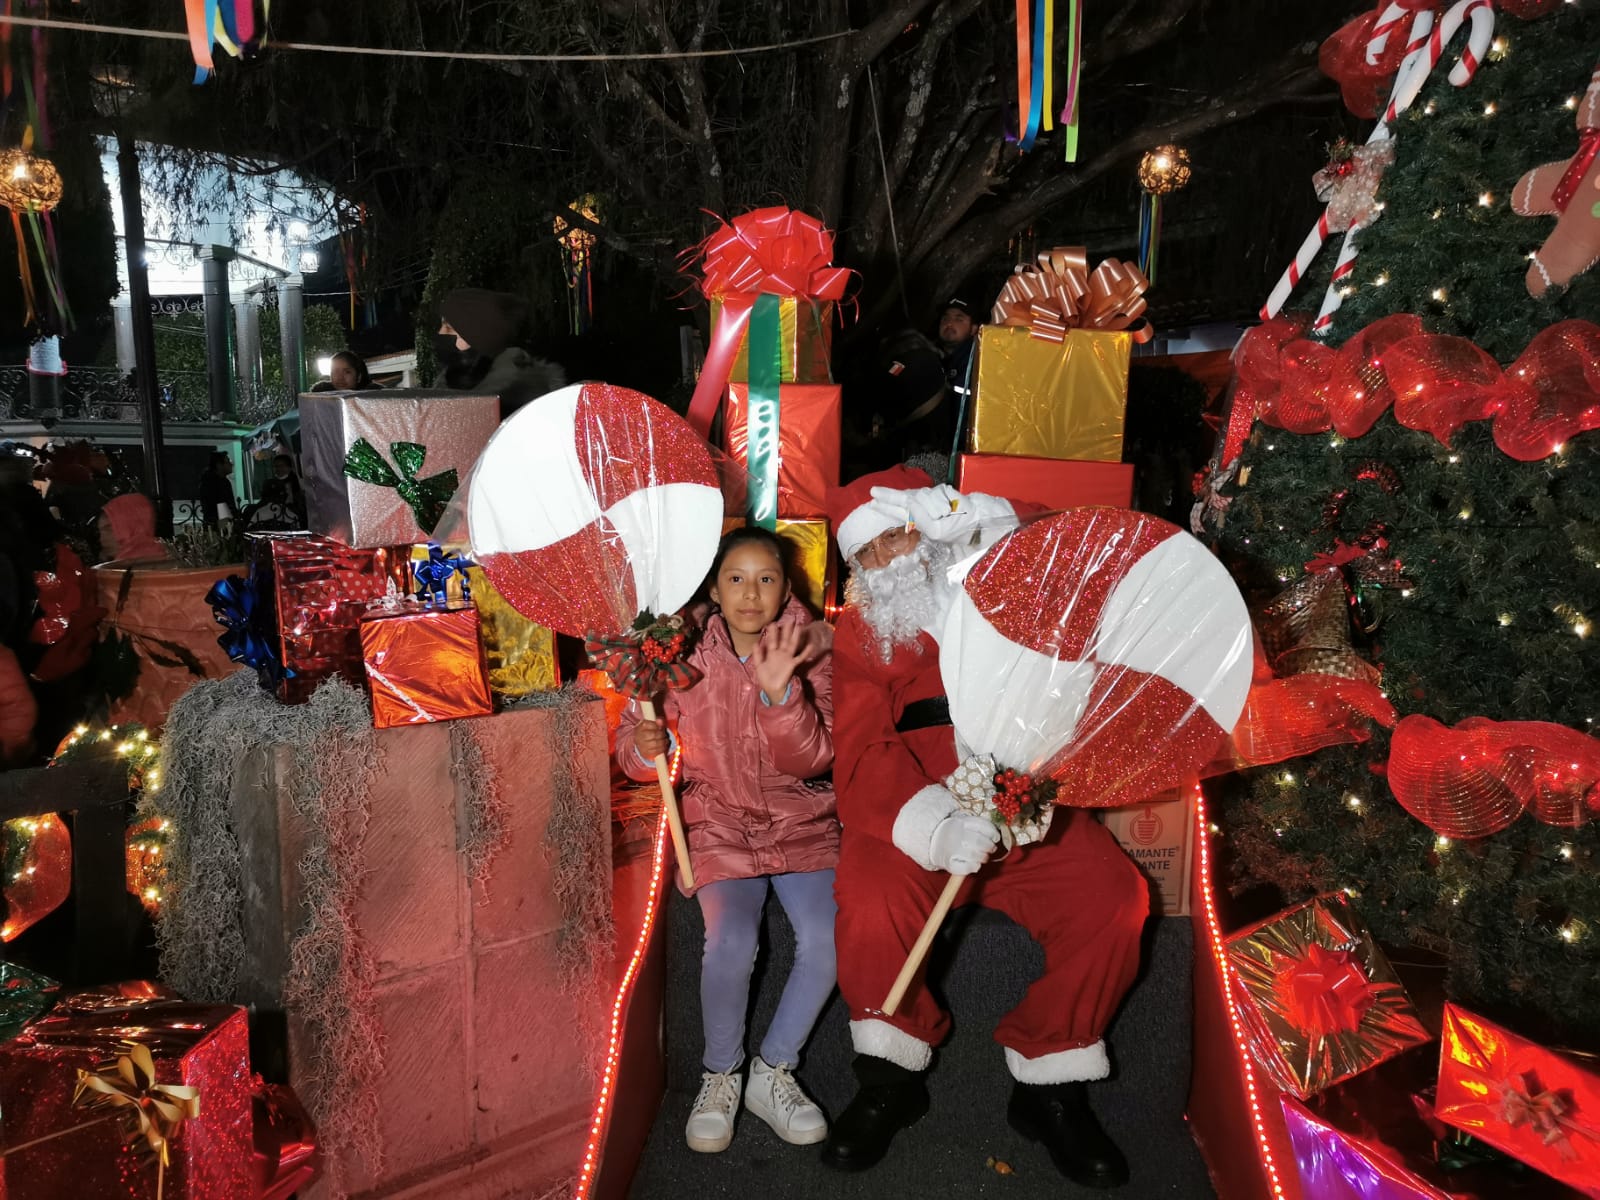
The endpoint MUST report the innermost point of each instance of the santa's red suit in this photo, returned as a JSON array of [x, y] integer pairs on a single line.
[[1077, 893]]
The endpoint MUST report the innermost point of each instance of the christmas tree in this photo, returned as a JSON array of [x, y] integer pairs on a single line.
[[1471, 578]]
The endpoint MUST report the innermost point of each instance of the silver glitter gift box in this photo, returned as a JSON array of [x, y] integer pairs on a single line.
[[380, 466]]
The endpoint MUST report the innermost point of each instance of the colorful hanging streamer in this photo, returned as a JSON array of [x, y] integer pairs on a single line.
[[230, 24], [1070, 106], [1149, 233], [1036, 74]]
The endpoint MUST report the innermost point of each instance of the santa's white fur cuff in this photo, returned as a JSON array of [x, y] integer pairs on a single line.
[[882, 1040], [1080, 1064], [918, 818]]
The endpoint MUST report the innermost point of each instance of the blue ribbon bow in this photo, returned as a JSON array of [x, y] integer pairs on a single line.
[[434, 575], [234, 603]]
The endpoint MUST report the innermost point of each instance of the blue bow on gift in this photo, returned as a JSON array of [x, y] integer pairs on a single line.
[[433, 576], [233, 602]]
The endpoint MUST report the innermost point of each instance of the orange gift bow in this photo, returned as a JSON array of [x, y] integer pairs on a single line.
[[770, 251], [1478, 778], [1061, 293], [1325, 991]]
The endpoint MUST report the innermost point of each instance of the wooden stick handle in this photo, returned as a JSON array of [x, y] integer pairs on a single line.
[[669, 804], [919, 949]]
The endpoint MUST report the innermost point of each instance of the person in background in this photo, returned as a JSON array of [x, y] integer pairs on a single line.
[[217, 503], [285, 492], [755, 729], [958, 331], [349, 372], [477, 344], [127, 526]]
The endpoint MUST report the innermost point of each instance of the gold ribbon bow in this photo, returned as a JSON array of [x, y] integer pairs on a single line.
[[1547, 1112], [1061, 293], [153, 1112]]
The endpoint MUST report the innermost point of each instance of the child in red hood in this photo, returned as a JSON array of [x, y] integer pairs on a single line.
[[754, 729]]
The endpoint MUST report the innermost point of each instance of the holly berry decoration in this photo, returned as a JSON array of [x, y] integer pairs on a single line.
[[1019, 796], [1570, 191], [665, 651]]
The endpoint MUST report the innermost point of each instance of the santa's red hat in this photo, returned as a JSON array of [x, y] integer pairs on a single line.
[[857, 518]]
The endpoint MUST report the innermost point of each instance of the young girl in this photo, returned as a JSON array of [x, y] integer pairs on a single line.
[[754, 728]]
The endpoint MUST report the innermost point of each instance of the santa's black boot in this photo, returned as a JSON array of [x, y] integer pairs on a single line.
[[1059, 1116], [889, 1099]]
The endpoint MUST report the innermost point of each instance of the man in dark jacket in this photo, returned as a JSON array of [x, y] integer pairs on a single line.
[[481, 328]]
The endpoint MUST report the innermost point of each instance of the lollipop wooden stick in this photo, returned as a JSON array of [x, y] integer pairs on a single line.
[[669, 804], [919, 948]]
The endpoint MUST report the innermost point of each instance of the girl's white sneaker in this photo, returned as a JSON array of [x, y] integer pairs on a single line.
[[776, 1097], [710, 1127]]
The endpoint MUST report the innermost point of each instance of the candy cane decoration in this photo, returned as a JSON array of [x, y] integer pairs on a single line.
[[1416, 45], [1408, 85], [1424, 48]]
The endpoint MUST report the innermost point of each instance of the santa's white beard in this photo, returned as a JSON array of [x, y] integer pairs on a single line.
[[905, 596]]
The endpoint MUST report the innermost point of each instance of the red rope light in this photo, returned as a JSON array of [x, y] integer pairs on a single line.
[[1224, 973], [602, 1106]]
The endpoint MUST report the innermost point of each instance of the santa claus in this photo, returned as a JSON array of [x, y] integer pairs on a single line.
[[1077, 893]]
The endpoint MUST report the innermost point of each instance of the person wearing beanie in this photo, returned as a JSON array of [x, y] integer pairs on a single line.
[[1076, 893], [482, 327]]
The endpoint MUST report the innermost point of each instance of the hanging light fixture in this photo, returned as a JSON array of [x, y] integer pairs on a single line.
[[28, 182], [577, 252], [1162, 170]]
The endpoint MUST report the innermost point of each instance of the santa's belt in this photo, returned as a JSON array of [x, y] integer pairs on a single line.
[[924, 714]]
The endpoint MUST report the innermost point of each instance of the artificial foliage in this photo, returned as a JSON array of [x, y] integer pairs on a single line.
[[1502, 559], [1456, 147]]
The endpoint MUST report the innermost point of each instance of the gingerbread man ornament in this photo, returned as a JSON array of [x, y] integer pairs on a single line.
[[1571, 190]]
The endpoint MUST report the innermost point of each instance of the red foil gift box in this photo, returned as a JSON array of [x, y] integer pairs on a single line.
[[203, 1046], [808, 442], [424, 664], [1318, 1000], [1052, 482], [313, 592], [1536, 1105]]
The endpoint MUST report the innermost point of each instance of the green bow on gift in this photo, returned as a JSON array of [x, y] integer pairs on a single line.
[[425, 497]]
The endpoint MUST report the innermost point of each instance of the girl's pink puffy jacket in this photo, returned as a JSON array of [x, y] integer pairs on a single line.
[[746, 807]]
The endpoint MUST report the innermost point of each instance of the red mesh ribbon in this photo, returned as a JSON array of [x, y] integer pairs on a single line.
[[1435, 383], [1343, 57], [1286, 718], [1325, 992], [1477, 778], [774, 251], [1528, 10]]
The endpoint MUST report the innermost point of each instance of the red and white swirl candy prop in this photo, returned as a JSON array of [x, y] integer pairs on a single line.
[[1104, 649], [591, 505], [1424, 48]]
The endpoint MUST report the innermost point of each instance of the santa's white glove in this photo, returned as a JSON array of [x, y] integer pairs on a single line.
[[962, 843], [939, 512]]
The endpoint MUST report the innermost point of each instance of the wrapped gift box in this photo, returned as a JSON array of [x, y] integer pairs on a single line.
[[1335, 1164], [1318, 999], [1047, 399], [492, 995], [520, 653], [381, 466], [810, 563], [1538, 1106], [310, 593], [195, 1045], [424, 664], [1051, 482], [1159, 837], [805, 340], [808, 442]]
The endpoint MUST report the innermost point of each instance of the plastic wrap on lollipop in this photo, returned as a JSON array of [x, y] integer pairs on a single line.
[[590, 506], [1104, 650]]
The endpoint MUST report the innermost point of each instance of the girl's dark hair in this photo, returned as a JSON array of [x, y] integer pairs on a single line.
[[743, 535], [218, 457], [359, 365]]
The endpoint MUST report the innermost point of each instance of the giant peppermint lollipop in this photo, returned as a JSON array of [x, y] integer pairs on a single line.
[[595, 511], [1091, 659]]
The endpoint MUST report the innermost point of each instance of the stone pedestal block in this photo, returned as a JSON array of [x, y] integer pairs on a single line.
[[486, 991]]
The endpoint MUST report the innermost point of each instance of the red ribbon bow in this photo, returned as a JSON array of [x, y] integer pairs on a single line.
[[1325, 991], [771, 251], [1546, 1111]]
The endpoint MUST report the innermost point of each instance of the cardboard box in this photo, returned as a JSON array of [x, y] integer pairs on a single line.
[[1159, 837]]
